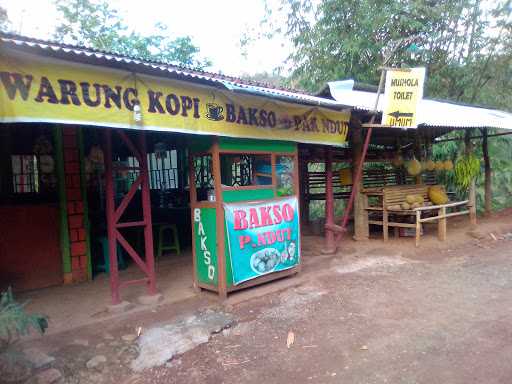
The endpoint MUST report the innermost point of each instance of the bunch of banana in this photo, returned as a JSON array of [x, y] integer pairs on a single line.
[[466, 169]]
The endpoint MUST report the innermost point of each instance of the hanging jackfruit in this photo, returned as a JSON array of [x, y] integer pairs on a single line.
[[448, 165], [430, 165], [439, 166], [414, 167]]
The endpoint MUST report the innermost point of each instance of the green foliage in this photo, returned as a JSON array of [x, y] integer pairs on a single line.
[[95, 24], [465, 44], [500, 152], [15, 321]]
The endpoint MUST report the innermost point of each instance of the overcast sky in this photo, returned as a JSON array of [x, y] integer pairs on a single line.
[[215, 27]]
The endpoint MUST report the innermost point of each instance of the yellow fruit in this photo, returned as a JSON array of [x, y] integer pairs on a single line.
[[448, 165], [415, 205], [419, 199], [430, 165], [414, 167], [394, 207], [405, 206], [410, 199], [437, 195], [439, 166]]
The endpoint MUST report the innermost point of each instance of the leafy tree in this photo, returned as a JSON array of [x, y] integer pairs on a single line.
[[273, 79], [95, 24], [5, 24], [460, 41]]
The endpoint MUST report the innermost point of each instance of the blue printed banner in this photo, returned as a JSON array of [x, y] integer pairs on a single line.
[[263, 237]]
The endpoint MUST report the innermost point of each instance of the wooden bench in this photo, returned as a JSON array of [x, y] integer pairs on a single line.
[[396, 195]]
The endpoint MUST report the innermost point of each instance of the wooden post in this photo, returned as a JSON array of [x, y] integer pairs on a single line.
[[304, 188], [487, 174], [329, 204], [418, 228], [385, 227], [361, 226], [221, 246], [417, 153], [193, 201], [472, 187], [441, 224]]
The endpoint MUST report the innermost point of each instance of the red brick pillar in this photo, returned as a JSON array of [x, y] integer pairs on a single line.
[[75, 208]]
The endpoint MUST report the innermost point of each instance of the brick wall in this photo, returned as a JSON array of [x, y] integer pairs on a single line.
[[75, 208]]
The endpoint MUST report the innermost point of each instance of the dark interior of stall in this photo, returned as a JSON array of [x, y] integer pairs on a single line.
[[167, 158]]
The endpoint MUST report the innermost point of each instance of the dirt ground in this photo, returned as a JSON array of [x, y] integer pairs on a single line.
[[372, 314]]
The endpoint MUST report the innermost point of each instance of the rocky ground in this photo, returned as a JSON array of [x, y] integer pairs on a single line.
[[387, 315]]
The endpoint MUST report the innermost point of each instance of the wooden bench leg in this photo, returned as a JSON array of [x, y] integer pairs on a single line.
[[385, 227], [441, 224], [418, 227]]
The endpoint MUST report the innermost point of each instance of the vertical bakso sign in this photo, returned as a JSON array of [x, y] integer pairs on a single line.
[[263, 237], [403, 92]]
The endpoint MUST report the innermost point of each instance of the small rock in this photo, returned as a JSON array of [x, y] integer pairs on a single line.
[[108, 336], [82, 342], [38, 358], [50, 376], [96, 361], [241, 329], [123, 306], [476, 235], [173, 363], [100, 345], [129, 338], [150, 299]]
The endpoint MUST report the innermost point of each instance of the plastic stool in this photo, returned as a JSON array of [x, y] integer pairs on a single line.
[[105, 267], [162, 245]]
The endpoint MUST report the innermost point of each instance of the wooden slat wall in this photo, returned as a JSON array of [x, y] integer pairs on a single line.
[[314, 182]]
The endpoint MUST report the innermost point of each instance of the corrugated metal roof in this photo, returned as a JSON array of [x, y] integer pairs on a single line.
[[432, 113], [97, 57]]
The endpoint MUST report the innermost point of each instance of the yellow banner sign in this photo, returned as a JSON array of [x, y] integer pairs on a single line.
[[404, 90], [37, 89]]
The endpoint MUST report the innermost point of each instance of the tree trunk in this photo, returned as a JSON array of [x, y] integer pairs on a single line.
[[488, 174]]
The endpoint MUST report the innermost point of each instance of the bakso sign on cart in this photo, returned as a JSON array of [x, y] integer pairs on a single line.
[[262, 237], [404, 90]]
